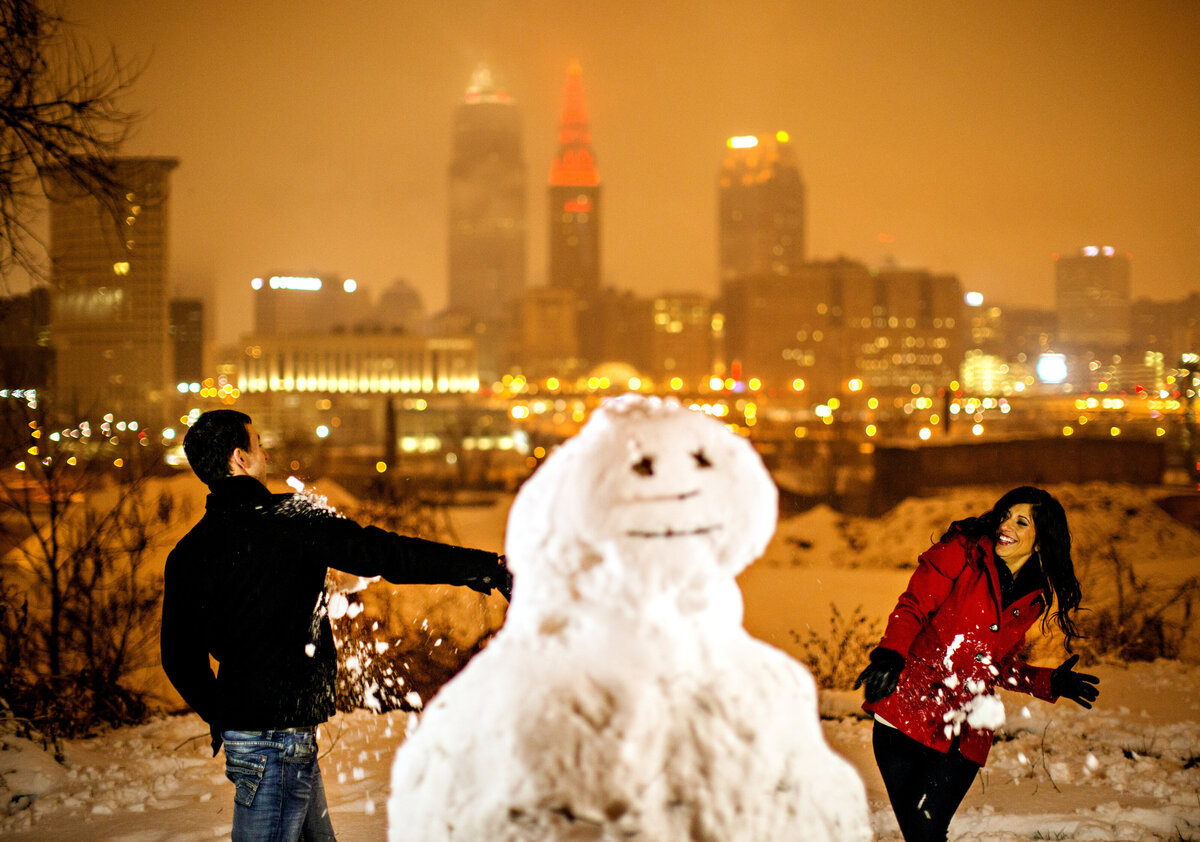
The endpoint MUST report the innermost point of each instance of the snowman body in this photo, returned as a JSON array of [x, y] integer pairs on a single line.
[[622, 699]]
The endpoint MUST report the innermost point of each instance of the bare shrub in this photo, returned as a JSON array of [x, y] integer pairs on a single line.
[[78, 599], [1138, 620], [836, 657]]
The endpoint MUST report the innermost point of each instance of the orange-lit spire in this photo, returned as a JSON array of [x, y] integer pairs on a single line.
[[574, 166]]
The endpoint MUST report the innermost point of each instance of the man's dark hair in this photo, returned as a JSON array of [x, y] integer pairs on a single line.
[[211, 441]]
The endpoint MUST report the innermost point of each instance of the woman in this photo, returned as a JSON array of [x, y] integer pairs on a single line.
[[953, 637]]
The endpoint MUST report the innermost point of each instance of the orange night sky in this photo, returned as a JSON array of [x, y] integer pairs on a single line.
[[974, 138]]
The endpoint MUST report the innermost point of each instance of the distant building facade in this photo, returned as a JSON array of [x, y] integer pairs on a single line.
[[187, 338], [295, 303], [487, 239], [1092, 299], [761, 224], [550, 333], [683, 340], [26, 355], [574, 197], [487, 201], [110, 317]]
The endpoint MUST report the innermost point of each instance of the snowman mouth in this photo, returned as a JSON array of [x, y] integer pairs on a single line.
[[673, 533], [662, 498]]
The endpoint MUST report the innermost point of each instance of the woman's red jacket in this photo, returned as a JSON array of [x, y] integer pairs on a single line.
[[958, 644]]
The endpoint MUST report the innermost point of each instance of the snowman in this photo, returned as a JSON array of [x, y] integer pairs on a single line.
[[622, 699]]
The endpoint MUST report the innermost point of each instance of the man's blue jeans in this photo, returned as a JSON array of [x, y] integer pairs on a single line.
[[279, 794]]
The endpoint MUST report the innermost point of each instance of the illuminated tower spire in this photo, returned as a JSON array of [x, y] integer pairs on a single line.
[[574, 197], [574, 166]]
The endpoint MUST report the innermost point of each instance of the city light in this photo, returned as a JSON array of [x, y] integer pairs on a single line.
[[381, 467], [977, 430], [798, 385], [743, 142], [349, 285], [855, 385], [973, 299], [716, 383], [871, 430], [295, 283], [1052, 368], [322, 431], [925, 433]]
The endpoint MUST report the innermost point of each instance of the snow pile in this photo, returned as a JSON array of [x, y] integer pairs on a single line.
[[1104, 518], [622, 699]]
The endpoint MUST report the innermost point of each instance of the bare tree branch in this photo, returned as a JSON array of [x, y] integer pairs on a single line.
[[59, 114]]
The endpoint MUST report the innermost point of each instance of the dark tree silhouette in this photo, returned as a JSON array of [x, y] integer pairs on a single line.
[[59, 112]]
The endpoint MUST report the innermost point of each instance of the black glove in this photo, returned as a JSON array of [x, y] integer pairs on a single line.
[[499, 578], [880, 677], [216, 738], [1079, 687], [504, 583]]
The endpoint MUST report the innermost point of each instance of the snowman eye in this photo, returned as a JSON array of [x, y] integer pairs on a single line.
[[701, 459], [645, 467]]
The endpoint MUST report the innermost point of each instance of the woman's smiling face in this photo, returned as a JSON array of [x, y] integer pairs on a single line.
[[1016, 540]]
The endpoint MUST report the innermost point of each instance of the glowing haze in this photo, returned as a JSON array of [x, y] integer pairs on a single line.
[[976, 139]]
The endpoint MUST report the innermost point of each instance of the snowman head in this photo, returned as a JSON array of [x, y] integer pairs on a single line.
[[645, 478]]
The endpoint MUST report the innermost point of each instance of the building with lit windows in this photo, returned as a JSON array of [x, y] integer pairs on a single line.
[[291, 304], [830, 322], [110, 317], [1092, 300], [294, 382], [684, 338], [760, 225]]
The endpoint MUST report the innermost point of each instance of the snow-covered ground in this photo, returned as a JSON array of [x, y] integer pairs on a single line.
[[1127, 770]]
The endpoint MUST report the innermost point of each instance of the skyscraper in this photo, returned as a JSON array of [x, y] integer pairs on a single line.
[[574, 197], [1091, 294], [110, 321], [487, 201], [760, 208]]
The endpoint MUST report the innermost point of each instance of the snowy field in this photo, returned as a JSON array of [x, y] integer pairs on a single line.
[[1127, 770]]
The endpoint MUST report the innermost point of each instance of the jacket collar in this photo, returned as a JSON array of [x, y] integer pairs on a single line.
[[235, 492]]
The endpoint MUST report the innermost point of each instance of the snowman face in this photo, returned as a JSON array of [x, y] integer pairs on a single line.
[[649, 474]]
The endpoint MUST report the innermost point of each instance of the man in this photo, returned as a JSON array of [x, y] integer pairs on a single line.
[[247, 585]]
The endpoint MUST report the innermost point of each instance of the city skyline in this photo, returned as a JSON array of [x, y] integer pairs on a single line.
[[310, 144]]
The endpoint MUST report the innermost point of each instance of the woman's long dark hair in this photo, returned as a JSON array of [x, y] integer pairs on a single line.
[[1054, 550]]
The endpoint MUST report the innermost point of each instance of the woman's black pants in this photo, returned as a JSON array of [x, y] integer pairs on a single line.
[[924, 785]]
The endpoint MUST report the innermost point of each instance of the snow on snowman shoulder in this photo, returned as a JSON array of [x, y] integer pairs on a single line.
[[622, 699]]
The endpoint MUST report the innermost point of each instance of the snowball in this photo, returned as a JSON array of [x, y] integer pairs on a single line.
[[338, 606]]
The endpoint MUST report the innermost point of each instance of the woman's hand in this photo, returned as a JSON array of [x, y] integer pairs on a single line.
[[1079, 687], [880, 677]]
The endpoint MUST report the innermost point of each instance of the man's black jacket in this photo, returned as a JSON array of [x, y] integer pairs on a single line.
[[246, 584]]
